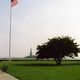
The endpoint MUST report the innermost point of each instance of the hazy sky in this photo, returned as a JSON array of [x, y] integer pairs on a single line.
[[34, 21]]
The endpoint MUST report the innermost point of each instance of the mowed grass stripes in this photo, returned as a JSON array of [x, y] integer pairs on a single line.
[[43, 70]]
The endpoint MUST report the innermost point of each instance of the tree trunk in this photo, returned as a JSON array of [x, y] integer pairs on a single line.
[[58, 60]]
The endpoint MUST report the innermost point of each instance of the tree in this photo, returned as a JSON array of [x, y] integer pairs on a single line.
[[57, 48]]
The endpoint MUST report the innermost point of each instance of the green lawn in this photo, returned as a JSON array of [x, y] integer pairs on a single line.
[[44, 70]]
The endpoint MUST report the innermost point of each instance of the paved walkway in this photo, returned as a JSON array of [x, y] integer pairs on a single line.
[[6, 76]]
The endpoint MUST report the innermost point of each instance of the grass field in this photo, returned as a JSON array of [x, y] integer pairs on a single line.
[[43, 70]]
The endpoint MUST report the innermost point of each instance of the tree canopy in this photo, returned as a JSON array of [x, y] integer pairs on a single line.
[[57, 48]]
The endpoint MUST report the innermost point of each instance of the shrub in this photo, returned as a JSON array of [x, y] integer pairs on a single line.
[[4, 68]]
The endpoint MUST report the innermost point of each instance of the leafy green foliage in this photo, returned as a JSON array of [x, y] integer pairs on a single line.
[[4, 68], [58, 48]]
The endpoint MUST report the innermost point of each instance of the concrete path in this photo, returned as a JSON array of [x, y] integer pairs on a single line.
[[6, 76]]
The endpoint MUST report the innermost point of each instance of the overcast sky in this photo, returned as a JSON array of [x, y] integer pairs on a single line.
[[34, 21]]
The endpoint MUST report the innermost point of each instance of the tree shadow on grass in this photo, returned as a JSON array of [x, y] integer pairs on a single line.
[[47, 64], [35, 65]]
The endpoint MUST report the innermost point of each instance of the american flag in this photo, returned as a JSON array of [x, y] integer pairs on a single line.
[[13, 3]]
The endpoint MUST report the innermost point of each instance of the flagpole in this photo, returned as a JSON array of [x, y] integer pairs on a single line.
[[10, 30]]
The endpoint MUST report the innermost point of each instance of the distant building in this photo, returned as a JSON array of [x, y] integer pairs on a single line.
[[31, 54]]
